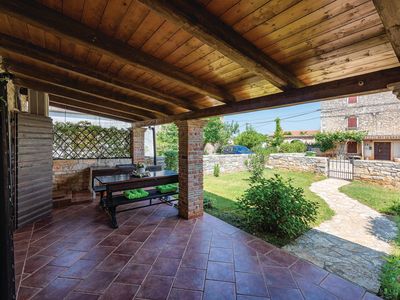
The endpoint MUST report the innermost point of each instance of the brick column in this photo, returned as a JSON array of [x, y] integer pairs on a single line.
[[138, 144], [190, 168]]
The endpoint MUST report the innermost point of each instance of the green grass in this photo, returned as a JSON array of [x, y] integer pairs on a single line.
[[385, 200], [380, 198], [226, 189]]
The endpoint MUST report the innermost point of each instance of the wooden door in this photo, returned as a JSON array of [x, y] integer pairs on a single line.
[[352, 148], [382, 150]]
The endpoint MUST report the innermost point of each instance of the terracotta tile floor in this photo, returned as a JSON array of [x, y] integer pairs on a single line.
[[74, 254]]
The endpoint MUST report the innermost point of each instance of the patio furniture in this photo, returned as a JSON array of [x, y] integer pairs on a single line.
[[121, 182]]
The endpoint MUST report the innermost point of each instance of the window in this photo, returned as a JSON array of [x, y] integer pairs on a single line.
[[352, 99], [352, 148], [352, 122]]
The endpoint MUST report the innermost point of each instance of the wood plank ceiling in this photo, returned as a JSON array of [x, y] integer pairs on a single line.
[[140, 60]]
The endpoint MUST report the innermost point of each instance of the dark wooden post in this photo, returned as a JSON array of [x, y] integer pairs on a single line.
[[7, 274]]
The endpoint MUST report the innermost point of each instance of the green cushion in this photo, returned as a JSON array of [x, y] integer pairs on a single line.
[[135, 194], [167, 188]]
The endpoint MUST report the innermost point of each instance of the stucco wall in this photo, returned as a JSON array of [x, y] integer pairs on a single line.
[[382, 172], [299, 162]]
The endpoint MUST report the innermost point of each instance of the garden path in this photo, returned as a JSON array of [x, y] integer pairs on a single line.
[[353, 243]]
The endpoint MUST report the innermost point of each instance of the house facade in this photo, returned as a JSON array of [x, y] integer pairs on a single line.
[[377, 114], [305, 136]]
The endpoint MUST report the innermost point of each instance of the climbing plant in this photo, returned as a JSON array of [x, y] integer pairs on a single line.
[[84, 140]]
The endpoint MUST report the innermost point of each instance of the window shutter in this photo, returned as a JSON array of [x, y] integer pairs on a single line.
[[352, 99], [352, 122]]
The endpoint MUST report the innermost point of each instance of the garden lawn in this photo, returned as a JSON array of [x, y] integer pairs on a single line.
[[225, 190], [384, 200]]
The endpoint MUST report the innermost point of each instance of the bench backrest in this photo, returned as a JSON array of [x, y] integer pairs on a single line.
[[141, 183]]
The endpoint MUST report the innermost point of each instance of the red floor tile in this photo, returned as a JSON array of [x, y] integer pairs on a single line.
[[216, 290], [43, 276], [114, 263], [97, 281], [165, 266], [178, 294], [57, 289], [250, 284], [196, 259], [80, 269], [220, 271], [119, 291], [342, 288], [190, 279], [133, 274], [155, 288]]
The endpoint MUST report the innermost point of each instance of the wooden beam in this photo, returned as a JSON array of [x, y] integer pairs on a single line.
[[46, 77], [194, 18], [389, 11], [88, 111], [91, 107], [53, 59], [56, 23], [357, 85], [60, 91]]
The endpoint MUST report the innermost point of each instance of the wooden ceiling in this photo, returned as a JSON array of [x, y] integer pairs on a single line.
[[145, 60]]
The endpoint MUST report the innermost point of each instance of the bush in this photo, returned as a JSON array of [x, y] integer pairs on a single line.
[[216, 170], [311, 153], [256, 165], [293, 147], [171, 160], [276, 206], [390, 278], [207, 202]]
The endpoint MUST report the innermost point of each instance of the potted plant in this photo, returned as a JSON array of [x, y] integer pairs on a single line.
[[141, 168]]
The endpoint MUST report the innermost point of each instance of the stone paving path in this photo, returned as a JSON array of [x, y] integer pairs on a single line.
[[352, 244]]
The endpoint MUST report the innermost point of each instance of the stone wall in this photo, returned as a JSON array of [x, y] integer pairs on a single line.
[[381, 172], [73, 175], [299, 162], [227, 162]]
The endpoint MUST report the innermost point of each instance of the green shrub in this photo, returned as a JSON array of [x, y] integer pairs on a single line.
[[276, 206], [216, 170], [311, 153], [390, 278], [207, 202], [171, 160], [293, 147], [255, 164]]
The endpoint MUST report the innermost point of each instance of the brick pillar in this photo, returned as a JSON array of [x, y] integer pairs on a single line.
[[138, 144], [190, 168]]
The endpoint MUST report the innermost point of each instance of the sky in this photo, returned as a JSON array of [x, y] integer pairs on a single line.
[[298, 117]]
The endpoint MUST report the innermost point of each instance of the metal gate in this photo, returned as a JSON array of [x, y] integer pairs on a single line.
[[341, 168]]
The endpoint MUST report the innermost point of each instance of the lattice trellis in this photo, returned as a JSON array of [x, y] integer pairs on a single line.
[[86, 141]]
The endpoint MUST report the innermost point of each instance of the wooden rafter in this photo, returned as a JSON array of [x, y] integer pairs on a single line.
[[52, 59], [52, 21], [194, 18], [88, 111], [389, 11], [76, 85], [95, 108], [63, 92], [361, 84]]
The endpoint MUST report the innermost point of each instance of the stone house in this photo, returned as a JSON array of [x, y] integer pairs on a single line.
[[377, 114], [305, 136]]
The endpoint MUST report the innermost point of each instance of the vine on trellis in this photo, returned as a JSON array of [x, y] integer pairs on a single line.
[[86, 141]]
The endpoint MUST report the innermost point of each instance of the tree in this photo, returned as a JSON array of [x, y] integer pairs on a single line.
[[167, 138], [218, 133], [338, 140], [277, 138], [250, 138]]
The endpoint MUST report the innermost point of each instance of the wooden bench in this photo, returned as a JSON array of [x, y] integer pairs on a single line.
[[111, 201]]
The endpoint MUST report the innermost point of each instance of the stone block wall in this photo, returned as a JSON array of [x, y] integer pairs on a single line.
[[227, 162], [382, 172], [74, 175], [299, 162]]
